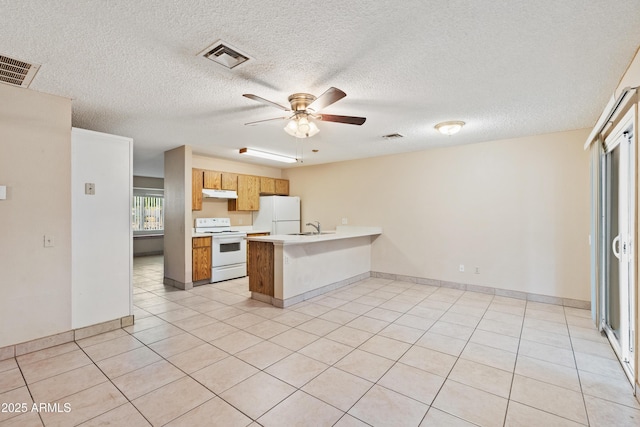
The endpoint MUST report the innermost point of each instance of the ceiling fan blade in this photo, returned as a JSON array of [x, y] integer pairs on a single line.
[[266, 120], [265, 101], [343, 119], [330, 96]]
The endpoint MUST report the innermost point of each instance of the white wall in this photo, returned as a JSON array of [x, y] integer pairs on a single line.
[[306, 270], [101, 231], [516, 209], [35, 165], [177, 215]]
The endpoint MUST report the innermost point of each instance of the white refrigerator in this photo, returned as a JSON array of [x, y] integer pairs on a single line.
[[278, 214]]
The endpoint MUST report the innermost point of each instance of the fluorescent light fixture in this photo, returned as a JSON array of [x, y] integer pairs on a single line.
[[449, 128], [265, 155]]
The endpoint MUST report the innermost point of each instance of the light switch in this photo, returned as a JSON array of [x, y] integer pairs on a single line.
[[3, 192], [90, 188]]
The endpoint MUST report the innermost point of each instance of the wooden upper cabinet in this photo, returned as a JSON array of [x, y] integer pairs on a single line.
[[267, 185], [229, 181], [270, 186], [212, 180], [197, 181], [248, 194], [282, 187], [248, 187]]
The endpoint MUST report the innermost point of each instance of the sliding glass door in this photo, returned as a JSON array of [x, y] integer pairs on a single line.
[[617, 244]]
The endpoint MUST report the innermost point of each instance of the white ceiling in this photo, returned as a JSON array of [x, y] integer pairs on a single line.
[[506, 68]]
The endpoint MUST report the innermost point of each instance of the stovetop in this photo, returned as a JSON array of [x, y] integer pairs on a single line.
[[216, 226]]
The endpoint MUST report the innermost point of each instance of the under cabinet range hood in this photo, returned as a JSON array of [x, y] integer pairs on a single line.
[[219, 194]]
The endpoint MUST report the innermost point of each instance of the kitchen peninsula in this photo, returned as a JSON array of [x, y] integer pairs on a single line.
[[287, 269]]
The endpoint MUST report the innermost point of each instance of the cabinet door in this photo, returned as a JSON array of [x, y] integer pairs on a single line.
[[248, 194], [201, 263], [282, 187], [267, 185], [249, 243], [261, 260], [201, 242], [196, 189], [229, 181], [212, 180]]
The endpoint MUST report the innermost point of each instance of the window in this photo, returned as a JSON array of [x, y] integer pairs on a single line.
[[147, 216]]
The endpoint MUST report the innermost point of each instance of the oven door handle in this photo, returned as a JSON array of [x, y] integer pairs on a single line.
[[227, 267], [228, 240]]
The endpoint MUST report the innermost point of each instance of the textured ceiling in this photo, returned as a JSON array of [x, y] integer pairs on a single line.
[[507, 68]]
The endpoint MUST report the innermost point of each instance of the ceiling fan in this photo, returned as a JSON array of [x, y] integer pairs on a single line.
[[304, 109]]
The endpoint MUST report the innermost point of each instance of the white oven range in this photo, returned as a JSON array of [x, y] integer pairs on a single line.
[[228, 248]]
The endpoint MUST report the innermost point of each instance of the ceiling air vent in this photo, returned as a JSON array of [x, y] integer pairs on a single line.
[[393, 136], [16, 72], [224, 54]]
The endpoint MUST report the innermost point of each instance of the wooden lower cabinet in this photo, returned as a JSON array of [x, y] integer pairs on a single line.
[[201, 258], [249, 244], [261, 270]]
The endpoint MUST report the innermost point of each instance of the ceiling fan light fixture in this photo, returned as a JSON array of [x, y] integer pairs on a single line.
[[267, 155], [449, 128], [301, 127], [313, 129], [304, 107]]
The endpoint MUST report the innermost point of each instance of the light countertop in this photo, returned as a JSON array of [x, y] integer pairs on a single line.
[[341, 232], [194, 234], [246, 228]]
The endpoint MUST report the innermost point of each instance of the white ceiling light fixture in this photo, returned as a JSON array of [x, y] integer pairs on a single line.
[[449, 128], [266, 155], [301, 127]]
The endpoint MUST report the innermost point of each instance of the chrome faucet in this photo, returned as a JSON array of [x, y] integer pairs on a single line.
[[317, 227]]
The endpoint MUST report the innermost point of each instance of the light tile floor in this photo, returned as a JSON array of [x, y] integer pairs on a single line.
[[378, 352]]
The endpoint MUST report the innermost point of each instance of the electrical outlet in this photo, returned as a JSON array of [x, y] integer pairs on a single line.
[[462, 268], [477, 270], [240, 221], [90, 188], [345, 221], [286, 260], [49, 241]]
